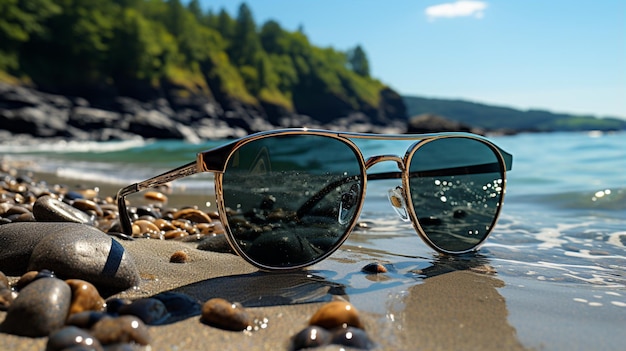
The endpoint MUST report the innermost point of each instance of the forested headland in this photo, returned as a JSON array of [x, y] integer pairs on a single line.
[[186, 63], [115, 69]]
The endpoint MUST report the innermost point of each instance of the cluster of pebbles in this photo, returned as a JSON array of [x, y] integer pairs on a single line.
[[60, 246]]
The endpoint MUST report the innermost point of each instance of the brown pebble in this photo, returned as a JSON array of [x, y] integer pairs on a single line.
[[123, 329], [87, 205], [336, 314], [179, 257], [143, 227], [163, 224], [4, 281], [175, 234], [85, 297], [155, 196], [26, 279], [193, 215], [374, 268], [223, 314], [6, 298]]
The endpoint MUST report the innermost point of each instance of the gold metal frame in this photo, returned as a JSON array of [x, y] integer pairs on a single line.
[[216, 160]]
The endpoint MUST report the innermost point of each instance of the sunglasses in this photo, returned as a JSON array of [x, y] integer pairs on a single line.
[[289, 198]]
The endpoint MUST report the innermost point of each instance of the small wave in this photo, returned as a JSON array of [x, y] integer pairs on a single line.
[[64, 146]]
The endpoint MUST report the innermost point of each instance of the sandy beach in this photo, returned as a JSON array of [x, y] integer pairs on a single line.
[[493, 300]]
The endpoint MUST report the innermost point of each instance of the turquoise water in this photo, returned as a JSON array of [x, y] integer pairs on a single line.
[[565, 201], [559, 248]]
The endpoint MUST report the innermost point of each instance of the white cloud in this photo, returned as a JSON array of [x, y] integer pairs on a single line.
[[460, 8]]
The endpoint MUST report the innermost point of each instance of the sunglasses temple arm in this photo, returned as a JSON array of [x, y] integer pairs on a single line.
[[183, 171]]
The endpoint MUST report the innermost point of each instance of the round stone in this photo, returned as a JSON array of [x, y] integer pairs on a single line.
[[49, 209], [83, 252], [123, 329], [85, 297], [39, 309], [336, 314], [150, 311], [72, 338], [226, 315]]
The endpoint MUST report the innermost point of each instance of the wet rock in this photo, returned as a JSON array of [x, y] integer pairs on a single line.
[[193, 215], [72, 338], [351, 337], [150, 311], [282, 249], [85, 297], [83, 252], [374, 268], [123, 329], [31, 276], [4, 281], [180, 306], [40, 308], [49, 209], [215, 243], [85, 319], [226, 315], [88, 206], [310, 337], [6, 298], [336, 314], [155, 196]]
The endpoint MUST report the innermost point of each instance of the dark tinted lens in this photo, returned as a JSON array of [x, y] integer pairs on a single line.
[[292, 198], [456, 187]]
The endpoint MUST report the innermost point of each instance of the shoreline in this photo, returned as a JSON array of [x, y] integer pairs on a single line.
[[424, 301]]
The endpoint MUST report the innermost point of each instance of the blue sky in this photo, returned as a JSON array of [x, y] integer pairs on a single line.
[[557, 55]]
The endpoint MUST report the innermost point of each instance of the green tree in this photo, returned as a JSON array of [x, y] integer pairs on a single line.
[[245, 45], [358, 62], [20, 21]]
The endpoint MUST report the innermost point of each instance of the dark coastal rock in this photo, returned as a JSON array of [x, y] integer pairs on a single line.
[[40, 308], [430, 123], [82, 252], [151, 311], [49, 209]]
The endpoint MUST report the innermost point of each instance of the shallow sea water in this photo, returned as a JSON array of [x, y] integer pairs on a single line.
[[556, 261]]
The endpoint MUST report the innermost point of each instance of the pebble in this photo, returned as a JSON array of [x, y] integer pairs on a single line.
[[31, 276], [40, 308], [49, 209], [179, 257], [123, 329], [151, 311], [82, 252], [72, 338], [215, 243], [85, 319], [351, 337], [193, 215], [85, 297], [374, 268], [155, 196], [6, 298], [4, 281], [226, 315], [312, 336], [336, 314]]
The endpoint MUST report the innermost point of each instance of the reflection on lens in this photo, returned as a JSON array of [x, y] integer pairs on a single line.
[[291, 199], [456, 186]]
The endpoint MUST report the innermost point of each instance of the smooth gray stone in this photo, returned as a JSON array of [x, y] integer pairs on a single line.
[[40, 308], [17, 241], [79, 251], [49, 209]]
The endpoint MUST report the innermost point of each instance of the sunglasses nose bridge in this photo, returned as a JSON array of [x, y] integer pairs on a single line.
[[371, 161]]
